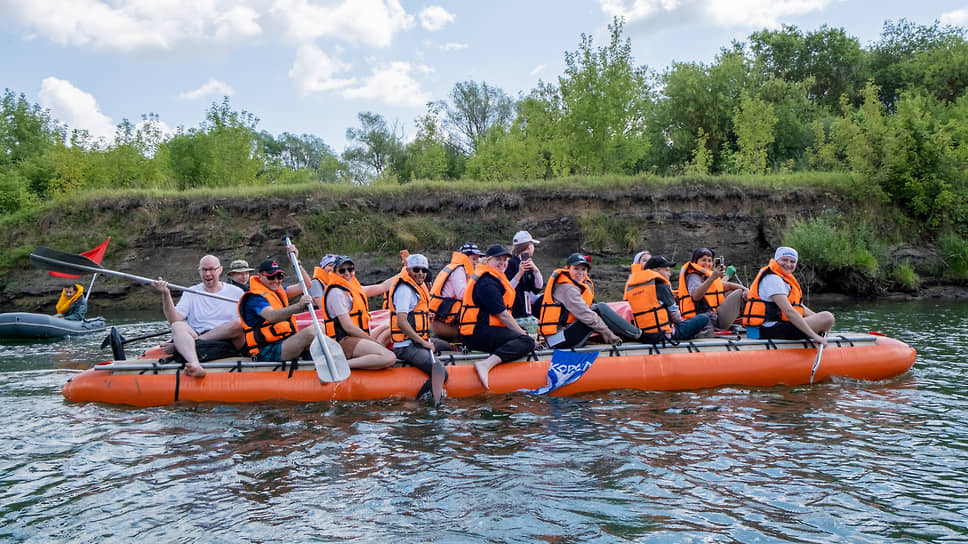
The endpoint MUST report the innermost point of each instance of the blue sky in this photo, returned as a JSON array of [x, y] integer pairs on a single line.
[[309, 66]]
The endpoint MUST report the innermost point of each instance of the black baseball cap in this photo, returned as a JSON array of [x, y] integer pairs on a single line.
[[270, 267], [497, 250], [576, 259], [658, 261]]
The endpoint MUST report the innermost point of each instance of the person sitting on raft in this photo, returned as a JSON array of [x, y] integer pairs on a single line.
[[568, 314], [641, 258], [485, 320], [346, 316], [776, 306], [448, 291], [268, 325], [198, 317], [703, 290], [72, 305], [321, 276], [524, 274], [410, 325], [654, 308], [239, 274]]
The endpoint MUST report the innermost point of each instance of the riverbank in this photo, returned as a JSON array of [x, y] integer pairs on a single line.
[[165, 235]]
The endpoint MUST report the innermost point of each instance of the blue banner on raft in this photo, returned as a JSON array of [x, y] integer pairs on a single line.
[[565, 368]]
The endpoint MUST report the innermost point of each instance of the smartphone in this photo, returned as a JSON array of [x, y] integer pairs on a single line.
[[719, 262], [525, 256]]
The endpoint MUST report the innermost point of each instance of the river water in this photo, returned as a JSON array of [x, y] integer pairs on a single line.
[[837, 462]]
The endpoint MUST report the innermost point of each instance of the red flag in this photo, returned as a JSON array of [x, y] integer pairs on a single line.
[[96, 255]]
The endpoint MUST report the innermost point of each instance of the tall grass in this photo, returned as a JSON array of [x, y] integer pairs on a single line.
[[828, 244]]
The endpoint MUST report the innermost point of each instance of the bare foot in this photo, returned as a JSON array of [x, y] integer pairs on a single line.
[[482, 369], [195, 370]]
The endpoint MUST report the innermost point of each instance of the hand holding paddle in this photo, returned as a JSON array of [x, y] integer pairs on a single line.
[[330, 367], [72, 263]]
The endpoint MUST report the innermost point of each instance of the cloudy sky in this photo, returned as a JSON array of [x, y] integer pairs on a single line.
[[309, 66]]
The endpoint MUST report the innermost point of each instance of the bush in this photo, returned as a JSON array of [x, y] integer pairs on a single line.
[[905, 276], [828, 245], [954, 255]]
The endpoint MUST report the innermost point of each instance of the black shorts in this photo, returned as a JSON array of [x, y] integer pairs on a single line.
[[782, 330]]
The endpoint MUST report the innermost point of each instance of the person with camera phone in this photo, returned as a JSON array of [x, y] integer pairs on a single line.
[[524, 275], [702, 289]]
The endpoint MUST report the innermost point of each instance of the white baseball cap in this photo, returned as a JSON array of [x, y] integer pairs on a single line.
[[523, 237], [417, 261]]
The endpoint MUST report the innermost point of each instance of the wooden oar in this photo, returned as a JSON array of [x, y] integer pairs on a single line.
[[72, 263], [332, 366], [816, 363]]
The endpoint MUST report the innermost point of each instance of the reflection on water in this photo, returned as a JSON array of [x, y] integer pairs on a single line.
[[845, 461]]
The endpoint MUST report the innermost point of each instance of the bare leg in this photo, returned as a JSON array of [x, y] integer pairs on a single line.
[[820, 322], [485, 366], [381, 334], [293, 346], [444, 331], [184, 337], [369, 354]]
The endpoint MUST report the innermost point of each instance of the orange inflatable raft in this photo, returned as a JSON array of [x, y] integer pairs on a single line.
[[691, 365]]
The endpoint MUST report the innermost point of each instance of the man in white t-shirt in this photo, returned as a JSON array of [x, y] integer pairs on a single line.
[[198, 316]]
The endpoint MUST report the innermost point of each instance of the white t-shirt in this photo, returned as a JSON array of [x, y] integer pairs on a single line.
[[338, 302], [205, 313], [771, 285], [405, 299]]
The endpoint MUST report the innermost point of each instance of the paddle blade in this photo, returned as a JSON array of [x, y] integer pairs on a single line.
[[331, 366], [96, 255], [59, 261]]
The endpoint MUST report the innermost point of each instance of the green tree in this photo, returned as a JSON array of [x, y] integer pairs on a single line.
[[606, 98], [373, 148], [474, 109], [830, 62], [753, 123]]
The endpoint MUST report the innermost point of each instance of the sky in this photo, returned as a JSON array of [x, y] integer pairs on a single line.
[[311, 66]]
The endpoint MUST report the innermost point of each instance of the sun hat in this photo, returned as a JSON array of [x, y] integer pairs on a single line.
[[658, 261], [523, 237], [784, 251], [240, 265]]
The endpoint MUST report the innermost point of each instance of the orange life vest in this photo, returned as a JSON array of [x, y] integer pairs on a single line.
[[471, 316], [553, 314], [322, 275], [419, 317], [649, 313], [447, 309], [359, 313], [757, 310], [265, 333], [714, 296]]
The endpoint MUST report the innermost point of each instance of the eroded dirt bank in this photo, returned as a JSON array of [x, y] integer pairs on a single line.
[[166, 236]]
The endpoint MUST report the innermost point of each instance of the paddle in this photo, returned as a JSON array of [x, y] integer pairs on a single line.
[[437, 375], [117, 342], [70, 263], [816, 363], [330, 367]]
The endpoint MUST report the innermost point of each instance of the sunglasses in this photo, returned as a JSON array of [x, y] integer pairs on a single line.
[[276, 276], [346, 270], [420, 271]]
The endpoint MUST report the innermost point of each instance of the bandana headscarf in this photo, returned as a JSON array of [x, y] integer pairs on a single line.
[[786, 252]]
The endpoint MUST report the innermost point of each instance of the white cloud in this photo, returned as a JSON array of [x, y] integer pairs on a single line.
[[958, 17], [211, 87], [393, 85], [453, 46], [366, 22], [76, 108], [721, 13], [313, 71], [132, 25], [537, 69], [434, 18]]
